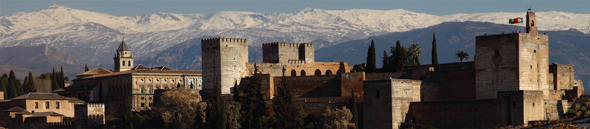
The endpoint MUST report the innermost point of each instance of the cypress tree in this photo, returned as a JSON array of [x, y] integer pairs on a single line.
[[434, 56], [14, 86], [355, 117], [254, 103], [287, 114], [61, 80], [385, 66], [236, 92], [371, 67], [86, 68], [4, 84], [401, 57], [219, 114], [54, 84], [29, 85]]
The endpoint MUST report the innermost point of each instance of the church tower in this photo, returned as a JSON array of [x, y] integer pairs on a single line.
[[123, 58]]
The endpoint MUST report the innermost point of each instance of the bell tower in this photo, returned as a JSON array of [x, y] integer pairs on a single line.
[[531, 22], [123, 58]]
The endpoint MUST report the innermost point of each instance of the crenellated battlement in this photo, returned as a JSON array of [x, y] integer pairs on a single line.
[[286, 44], [223, 39]]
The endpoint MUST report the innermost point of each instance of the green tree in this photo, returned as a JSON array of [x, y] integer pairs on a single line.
[[4, 85], [415, 52], [54, 84], [355, 117], [462, 55], [86, 68], [61, 80], [434, 55], [14, 86], [385, 66], [337, 119], [236, 92], [254, 102], [287, 114], [29, 85], [400, 60], [371, 66], [233, 115]]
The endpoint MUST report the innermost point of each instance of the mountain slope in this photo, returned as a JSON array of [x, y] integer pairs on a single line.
[[91, 36], [37, 59]]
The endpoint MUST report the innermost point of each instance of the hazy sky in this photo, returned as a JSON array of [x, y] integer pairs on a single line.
[[436, 7]]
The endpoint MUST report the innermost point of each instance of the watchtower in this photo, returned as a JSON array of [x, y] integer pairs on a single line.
[[288, 53], [511, 62], [123, 58], [224, 62]]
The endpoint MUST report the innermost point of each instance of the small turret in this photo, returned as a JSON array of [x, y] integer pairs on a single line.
[[123, 58]]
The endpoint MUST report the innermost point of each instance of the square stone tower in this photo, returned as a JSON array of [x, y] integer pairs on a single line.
[[288, 53], [511, 62], [224, 61]]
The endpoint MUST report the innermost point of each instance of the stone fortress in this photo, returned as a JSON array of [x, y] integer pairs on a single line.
[[510, 82]]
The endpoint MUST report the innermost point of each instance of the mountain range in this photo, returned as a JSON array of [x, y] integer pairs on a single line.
[[90, 36]]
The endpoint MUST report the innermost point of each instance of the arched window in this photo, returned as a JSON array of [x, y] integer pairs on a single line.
[[149, 89], [293, 73], [532, 22], [303, 73], [128, 63], [123, 63], [141, 89], [318, 72], [329, 72], [338, 72], [192, 87]]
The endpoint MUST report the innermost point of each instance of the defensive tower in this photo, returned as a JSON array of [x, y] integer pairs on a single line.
[[224, 62], [288, 53], [511, 62], [123, 58]]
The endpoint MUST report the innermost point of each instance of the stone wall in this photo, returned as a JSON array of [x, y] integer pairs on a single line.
[[524, 106], [555, 109], [386, 102], [496, 64], [313, 86], [533, 62], [563, 76], [224, 60], [459, 114], [285, 53], [352, 81]]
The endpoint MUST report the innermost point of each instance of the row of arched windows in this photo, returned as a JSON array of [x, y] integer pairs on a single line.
[[316, 73], [95, 116], [128, 63]]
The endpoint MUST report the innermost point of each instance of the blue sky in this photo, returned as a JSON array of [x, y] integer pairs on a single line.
[[436, 7]]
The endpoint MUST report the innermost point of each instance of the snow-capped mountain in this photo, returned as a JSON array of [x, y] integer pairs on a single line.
[[92, 37]]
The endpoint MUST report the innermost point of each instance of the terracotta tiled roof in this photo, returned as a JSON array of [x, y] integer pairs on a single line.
[[75, 100], [11, 108], [41, 96], [94, 71], [146, 71], [42, 114]]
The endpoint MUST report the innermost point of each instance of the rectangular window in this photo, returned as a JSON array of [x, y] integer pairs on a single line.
[[497, 52], [36, 105], [47, 105], [142, 104], [56, 105]]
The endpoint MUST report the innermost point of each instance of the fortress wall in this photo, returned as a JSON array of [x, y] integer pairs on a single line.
[[555, 109], [563, 76], [352, 81], [378, 76], [458, 114], [313, 86], [533, 54], [282, 52], [496, 64], [456, 85], [386, 102]]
